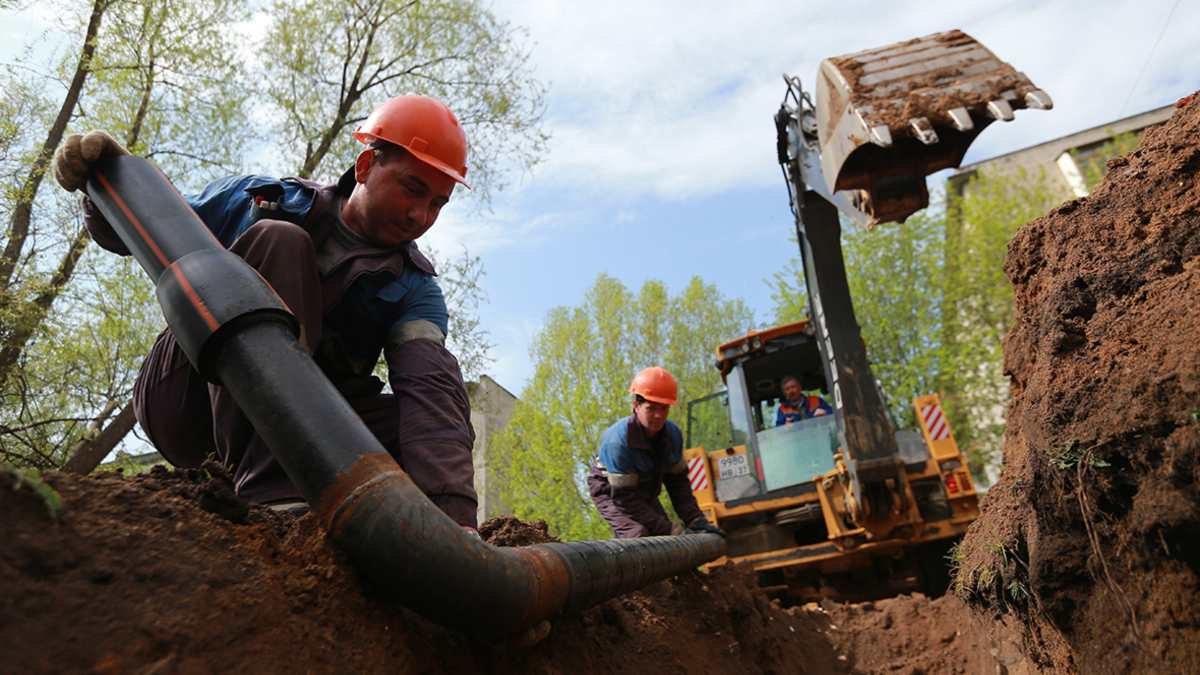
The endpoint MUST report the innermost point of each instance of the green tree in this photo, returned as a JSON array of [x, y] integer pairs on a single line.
[[933, 304], [978, 308], [584, 358], [332, 63], [164, 84], [1094, 164], [890, 270], [159, 73], [73, 382]]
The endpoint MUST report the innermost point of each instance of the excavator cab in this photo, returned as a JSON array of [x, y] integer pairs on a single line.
[[745, 414]]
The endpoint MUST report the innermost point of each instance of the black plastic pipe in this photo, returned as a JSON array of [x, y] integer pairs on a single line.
[[238, 333]]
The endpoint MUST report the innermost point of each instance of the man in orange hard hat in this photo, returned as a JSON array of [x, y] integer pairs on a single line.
[[345, 260], [639, 456]]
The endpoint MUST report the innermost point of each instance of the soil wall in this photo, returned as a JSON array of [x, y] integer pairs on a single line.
[[1089, 545]]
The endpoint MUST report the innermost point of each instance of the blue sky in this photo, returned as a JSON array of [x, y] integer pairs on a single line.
[[662, 161]]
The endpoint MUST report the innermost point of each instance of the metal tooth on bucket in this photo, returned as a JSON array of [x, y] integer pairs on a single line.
[[1038, 99], [961, 118], [924, 130]]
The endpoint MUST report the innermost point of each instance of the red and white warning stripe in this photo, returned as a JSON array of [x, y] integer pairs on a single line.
[[697, 474], [935, 422]]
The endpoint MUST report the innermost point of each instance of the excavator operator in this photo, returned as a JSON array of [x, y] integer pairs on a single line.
[[639, 455], [796, 406], [344, 259]]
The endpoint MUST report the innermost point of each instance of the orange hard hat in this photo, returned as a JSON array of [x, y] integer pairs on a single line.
[[655, 384], [423, 126]]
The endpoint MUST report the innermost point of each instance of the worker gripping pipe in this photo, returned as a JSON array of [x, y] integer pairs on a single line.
[[239, 334]]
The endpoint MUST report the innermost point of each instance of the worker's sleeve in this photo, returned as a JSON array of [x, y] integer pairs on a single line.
[[780, 417], [822, 405], [100, 230], [679, 487], [224, 206], [436, 436], [420, 298]]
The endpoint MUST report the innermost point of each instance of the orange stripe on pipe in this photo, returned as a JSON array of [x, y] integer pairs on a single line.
[[196, 301], [129, 214]]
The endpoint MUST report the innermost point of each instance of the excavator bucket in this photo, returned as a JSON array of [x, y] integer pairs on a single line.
[[888, 117]]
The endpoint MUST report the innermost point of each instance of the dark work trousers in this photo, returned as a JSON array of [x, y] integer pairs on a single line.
[[623, 526], [188, 419]]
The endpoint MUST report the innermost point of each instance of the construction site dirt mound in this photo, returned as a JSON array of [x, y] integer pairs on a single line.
[[1089, 545], [169, 572], [510, 531]]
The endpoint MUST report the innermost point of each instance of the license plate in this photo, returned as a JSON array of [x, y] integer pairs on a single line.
[[733, 465]]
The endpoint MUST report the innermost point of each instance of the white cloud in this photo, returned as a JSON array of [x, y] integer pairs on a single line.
[[674, 99], [510, 222], [655, 103]]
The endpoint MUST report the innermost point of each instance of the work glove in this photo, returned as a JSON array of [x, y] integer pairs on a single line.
[[677, 529], [701, 524], [74, 158]]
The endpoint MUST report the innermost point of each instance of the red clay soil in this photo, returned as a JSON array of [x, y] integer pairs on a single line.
[[917, 636], [1089, 545], [169, 572]]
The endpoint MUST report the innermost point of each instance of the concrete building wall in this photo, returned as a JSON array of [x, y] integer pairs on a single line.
[[1054, 158], [491, 408]]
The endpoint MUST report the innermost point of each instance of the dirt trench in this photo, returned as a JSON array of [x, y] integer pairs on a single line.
[[1086, 558], [169, 572]]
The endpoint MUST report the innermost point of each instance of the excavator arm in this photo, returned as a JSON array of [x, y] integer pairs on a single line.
[[883, 120]]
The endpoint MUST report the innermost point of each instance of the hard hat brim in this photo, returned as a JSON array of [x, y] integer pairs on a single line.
[[436, 163], [658, 399]]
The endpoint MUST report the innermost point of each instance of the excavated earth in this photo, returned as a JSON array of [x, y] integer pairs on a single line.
[[1088, 549], [169, 572], [1086, 558]]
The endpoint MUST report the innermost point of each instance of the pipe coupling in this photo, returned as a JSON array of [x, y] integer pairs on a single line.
[[207, 295]]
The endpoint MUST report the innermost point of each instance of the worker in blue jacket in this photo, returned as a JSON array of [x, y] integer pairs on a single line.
[[796, 406], [640, 455], [344, 259]]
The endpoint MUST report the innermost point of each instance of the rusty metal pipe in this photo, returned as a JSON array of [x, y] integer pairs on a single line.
[[394, 535]]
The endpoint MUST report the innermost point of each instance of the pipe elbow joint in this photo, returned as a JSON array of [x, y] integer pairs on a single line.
[[209, 295]]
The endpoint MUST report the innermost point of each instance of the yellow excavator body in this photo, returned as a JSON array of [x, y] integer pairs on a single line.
[[806, 534]]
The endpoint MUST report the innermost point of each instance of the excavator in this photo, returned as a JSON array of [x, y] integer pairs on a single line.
[[847, 506]]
